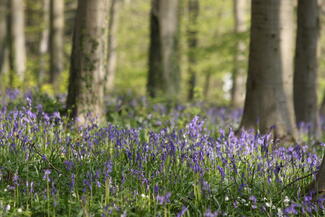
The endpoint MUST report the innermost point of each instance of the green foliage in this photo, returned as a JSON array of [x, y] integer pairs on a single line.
[[48, 103], [139, 167]]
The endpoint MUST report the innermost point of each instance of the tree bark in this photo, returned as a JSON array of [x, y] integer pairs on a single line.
[[306, 65], [17, 40], [322, 108], [112, 44], [269, 98], [3, 34], [309, 32], [164, 73], [206, 87], [56, 40], [318, 186], [322, 11], [239, 75], [88, 61], [192, 41], [43, 46]]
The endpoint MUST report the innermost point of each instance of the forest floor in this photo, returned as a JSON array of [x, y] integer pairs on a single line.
[[150, 159]]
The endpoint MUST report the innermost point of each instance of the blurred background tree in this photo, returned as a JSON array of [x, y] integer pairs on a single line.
[[221, 48], [48, 47]]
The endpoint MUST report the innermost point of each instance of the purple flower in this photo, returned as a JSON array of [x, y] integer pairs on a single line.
[[205, 186], [291, 209], [164, 199], [68, 165], [15, 179], [44, 157], [87, 183], [182, 212], [252, 198], [29, 100], [156, 189], [46, 176], [108, 168], [98, 184], [222, 172], [320, 202], [208, 213], [308, 198], [56, 115], [39, 108], [73, 180], [195, 127], [30, 114], [235, 204]]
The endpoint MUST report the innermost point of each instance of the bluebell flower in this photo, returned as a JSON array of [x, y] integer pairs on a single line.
[[164, 199], [182, 212], [209, 213], [46, 176]]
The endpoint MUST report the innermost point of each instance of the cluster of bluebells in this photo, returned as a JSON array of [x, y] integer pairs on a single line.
[[109, 170], [147, 114]]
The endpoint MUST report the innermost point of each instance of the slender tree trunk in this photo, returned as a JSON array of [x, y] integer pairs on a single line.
[[88, 58], [192, 41], [238, 75], [112, 44], [56, 39], [322, 108], [322, 11], [164, 73], [206, 87], [17, 40], [318, 185], [305, 76], [3, 34], [269, 99], [43, 46]]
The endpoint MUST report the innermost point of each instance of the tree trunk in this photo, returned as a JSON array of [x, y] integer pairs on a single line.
[[305, 76], [43, 46], [206, 87], [164, 73], [322, 11], [238, 75], [269, 98], [192, 41], [56, 40], [322, 108], [17, 40], [318, 186], [112, 44], [88, 61], [3, 34]]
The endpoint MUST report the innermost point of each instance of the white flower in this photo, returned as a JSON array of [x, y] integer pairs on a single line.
[[280, 213], [286, 200], [144, 196], [268, 204], [20, 210], [8, 207], [226, 198]]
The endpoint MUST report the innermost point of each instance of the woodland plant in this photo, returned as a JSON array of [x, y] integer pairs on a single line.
[[50, 167]]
